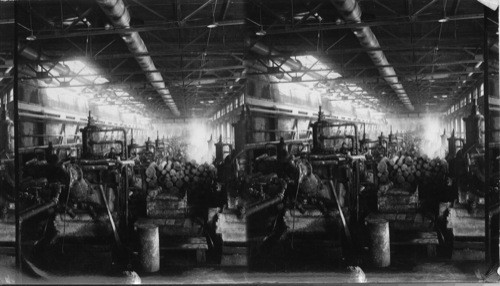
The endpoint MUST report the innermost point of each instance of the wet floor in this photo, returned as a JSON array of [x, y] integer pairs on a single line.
[[423, 272]]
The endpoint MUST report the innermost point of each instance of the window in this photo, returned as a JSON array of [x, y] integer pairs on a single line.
[[11, 96], [229, 133], [462, 128]]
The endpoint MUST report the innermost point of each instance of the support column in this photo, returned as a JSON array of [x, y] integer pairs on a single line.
[[491, 223], [16, 140]]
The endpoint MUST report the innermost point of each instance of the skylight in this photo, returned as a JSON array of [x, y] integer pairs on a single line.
[[342, 94], [84, 72], [312, 63], [112, 98]]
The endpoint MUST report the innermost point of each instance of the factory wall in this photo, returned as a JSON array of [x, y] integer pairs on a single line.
[[294, 96], [38, 128], [462, 109]]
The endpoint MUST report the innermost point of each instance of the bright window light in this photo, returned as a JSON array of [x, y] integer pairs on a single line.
[[342, 95]]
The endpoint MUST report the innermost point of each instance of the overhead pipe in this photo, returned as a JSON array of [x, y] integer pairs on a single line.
[[351, 12], [120, 18]]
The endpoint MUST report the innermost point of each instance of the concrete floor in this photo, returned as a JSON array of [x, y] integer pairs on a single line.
[[425, 272]]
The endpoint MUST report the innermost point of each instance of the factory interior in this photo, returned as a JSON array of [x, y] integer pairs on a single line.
[[249, 141]]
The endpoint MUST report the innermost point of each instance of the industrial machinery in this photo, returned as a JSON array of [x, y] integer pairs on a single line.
[[395, 144], [39, 191], [7, 132], [467, 166], [468, 163], [97, 193], [221, 151], [333, 175]]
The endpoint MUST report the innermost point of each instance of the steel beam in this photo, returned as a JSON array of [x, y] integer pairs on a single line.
[[269, 11], [403, 77], [105, 47], [183, 21], [387, 8], [170, 44], [152, 11], [461, 47], [454, 7], [225, 9], [392, 22], [311, 12], [491, 199], [427, 34], [423, 8], [6, 21], [392, 35], [337, 41], [79, 18], [17, 163]]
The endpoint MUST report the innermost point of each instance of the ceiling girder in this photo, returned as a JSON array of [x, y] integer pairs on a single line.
[[388, 22], [152, 11], [189, 16]]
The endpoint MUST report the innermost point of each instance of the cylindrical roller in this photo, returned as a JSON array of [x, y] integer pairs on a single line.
[[149, 252], [380, 247]]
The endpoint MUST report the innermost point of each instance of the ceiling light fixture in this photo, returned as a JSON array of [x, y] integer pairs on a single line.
[[213, 25], [261, 32], [31, 37]]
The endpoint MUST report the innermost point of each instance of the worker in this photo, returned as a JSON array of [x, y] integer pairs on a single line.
[[229, 178], [282, 157], [112, 153], [58, 180], [344, 149]]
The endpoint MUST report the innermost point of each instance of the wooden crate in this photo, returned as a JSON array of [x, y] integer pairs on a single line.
[[188, 244], [406, 221], [235, 254], [232, 228], [466, 224], [159, 205], [172, 226], [428, 239]]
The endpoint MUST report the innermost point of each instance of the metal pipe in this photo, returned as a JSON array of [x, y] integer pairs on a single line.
[[257, 145], [261, 206], [350, 11], [265, 204], [119, 16], [38, 210]]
